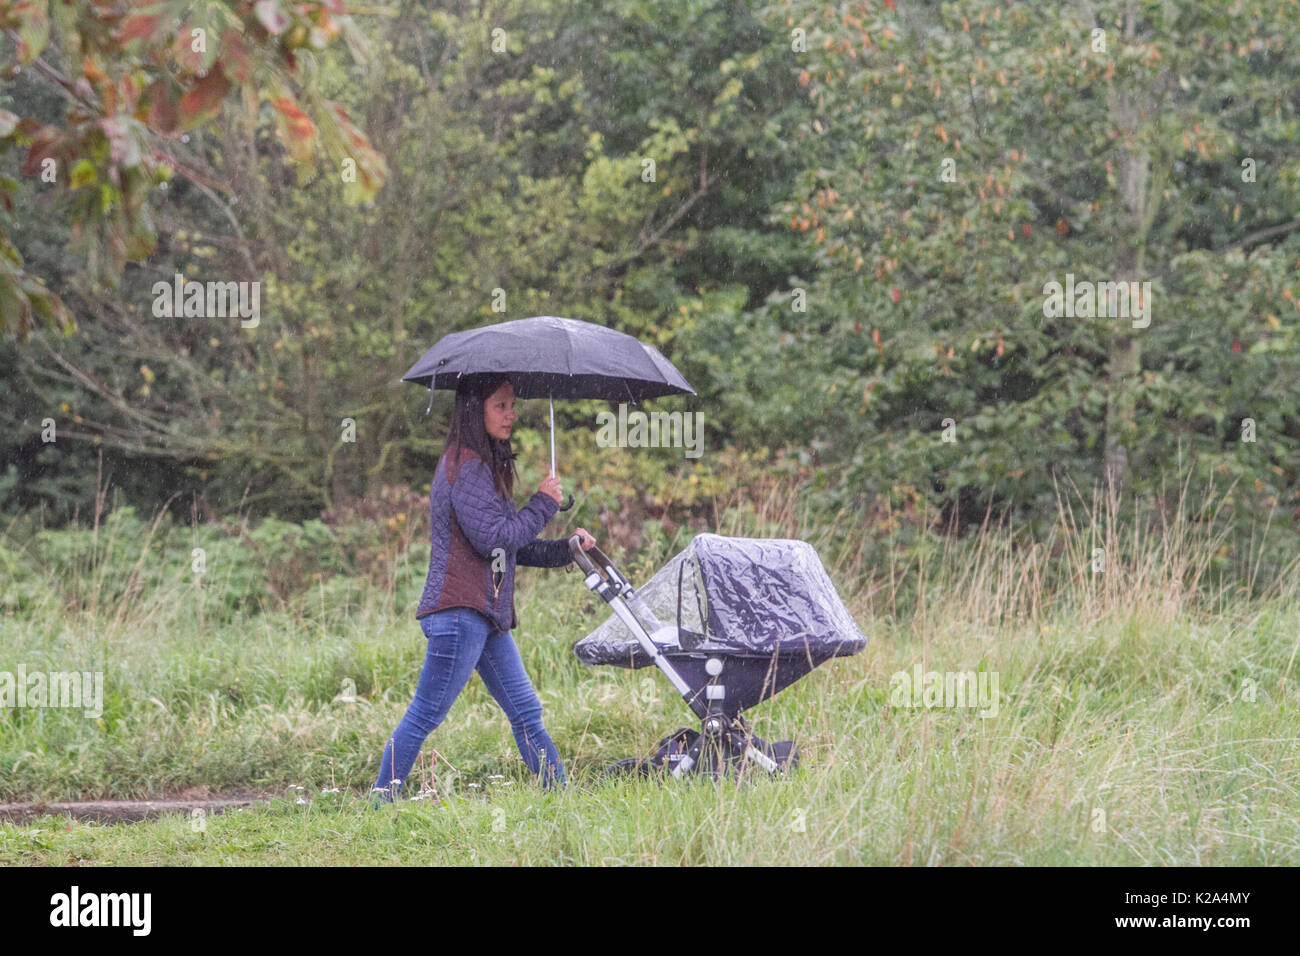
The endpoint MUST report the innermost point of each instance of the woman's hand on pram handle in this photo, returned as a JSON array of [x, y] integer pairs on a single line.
[[580, 557], [581, 542], [602, 576]]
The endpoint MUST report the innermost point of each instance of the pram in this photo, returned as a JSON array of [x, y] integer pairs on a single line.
[[749, 617]]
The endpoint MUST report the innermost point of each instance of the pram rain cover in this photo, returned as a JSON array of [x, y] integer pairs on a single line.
[[750, 597]]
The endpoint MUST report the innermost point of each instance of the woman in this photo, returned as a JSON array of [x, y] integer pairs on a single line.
[[467, 610]]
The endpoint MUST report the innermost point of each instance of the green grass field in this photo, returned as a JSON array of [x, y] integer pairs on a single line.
[[1142, 719]]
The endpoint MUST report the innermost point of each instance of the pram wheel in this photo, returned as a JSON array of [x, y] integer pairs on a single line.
[[628, 766], [737, 753]]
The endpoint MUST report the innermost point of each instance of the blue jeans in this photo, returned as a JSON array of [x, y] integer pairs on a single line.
[[461, 640]]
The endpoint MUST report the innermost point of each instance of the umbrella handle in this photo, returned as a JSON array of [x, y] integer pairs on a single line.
[[566, 507]]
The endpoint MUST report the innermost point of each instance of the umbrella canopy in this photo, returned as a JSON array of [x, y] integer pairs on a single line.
[[552, 357]]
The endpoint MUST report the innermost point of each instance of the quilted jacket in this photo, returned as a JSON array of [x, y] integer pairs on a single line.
[[469, 523]]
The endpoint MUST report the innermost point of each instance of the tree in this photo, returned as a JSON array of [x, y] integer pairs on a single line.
[[135, 77], [961, 157], [517, 166]]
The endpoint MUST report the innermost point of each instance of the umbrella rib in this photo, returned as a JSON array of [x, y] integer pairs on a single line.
[[568, 358]]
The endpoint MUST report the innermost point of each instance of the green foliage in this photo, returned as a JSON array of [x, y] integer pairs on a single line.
[[928, 306], [528, 179], [133, 82], [800, 253]]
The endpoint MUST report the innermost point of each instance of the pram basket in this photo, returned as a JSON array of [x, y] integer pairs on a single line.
[[750, 616]]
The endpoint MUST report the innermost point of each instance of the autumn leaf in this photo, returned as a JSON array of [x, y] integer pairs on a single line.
[[203, 100], [138, 26], [45, 145], [92, 71], [189, 59], [164, 113], [372, 168], [296, 129], [33, 28], [234, 51]]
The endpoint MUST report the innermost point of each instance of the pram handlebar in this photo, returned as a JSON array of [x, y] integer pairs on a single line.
[[604, 566], [580, 556], [606, 580]]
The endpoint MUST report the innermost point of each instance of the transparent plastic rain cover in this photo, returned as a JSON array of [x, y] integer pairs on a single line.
[[748, 596]]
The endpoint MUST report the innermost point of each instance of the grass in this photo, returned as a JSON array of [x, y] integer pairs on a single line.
[[1144, 718]]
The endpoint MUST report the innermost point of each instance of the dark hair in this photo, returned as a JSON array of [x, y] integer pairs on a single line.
[[467, 431]]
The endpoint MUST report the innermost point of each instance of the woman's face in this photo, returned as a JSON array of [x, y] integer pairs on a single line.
[[499, 412]]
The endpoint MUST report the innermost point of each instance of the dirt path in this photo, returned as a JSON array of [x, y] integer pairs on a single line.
[[132, 811]]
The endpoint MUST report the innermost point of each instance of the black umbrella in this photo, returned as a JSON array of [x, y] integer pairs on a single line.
[[551, 357]]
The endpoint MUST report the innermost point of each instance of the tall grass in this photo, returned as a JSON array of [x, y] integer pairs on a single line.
[[1146, 713]]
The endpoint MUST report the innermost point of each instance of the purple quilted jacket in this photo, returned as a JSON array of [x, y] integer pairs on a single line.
[[469, 523]]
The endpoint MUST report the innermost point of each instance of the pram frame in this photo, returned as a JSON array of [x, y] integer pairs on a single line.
[[718, 731]]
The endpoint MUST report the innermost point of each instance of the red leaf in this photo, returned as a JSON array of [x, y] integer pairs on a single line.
[[92, 71], [163, 115], [372, 169], [45, 144], [895, 294], [356, 139], [189, 59], [128, 94], [296, 128], [1236, 346], [203, 100], [138, 26], [235, 52]]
